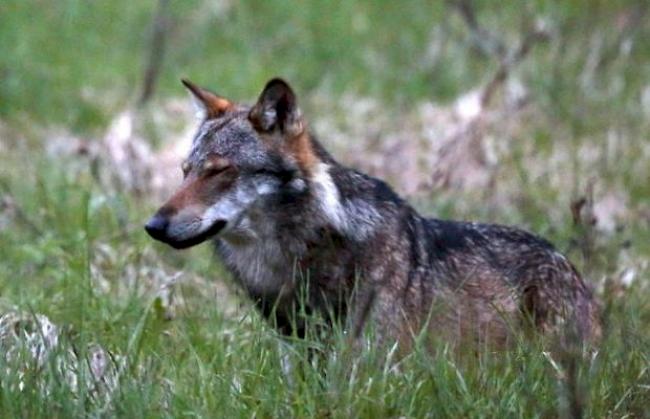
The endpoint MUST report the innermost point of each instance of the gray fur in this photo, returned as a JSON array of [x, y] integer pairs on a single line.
[[369, 257]]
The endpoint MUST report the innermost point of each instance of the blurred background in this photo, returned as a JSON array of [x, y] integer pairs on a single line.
[[531, 113]]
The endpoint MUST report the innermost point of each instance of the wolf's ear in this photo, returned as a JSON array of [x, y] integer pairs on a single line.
[[208, 105], [277, 108]]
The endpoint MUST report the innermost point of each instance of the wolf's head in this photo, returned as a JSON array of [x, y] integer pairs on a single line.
[[241, 158]]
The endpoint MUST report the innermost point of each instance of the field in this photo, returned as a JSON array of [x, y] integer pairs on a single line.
[[535, 115]]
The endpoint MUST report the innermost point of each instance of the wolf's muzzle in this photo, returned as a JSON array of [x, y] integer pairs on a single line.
[[157, 227]]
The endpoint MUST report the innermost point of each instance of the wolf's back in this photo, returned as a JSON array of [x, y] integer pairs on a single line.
[[493, 267]]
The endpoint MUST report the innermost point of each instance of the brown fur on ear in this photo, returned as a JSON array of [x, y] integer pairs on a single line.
[[210, 104], [276, 114], [277, 108]]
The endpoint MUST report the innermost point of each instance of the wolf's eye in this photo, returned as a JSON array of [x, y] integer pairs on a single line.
[[213, 167], [185, 167]]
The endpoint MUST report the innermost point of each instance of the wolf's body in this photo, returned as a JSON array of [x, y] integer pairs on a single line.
[[297, 228]]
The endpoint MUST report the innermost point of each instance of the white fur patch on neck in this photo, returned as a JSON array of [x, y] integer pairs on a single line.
[[328, 196]]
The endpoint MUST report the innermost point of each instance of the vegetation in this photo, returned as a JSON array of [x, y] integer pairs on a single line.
[[72, 246]]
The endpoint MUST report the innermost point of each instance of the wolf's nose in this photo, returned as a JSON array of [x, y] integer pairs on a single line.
[[157, 226]]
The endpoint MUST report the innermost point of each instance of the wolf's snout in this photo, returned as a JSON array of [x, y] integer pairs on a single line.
[[157, 226]]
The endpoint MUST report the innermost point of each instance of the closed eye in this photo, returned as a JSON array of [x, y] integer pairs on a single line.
[[215, 171], [214, 167]]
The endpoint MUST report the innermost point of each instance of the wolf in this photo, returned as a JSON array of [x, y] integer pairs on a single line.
[[301, 232]]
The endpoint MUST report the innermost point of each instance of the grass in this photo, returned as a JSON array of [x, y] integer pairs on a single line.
[[73, 249]]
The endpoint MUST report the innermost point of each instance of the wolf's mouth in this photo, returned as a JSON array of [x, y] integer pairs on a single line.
[[193, 241]]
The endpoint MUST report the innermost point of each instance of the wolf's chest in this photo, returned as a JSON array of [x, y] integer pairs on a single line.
[[262, 267], [272, 266]]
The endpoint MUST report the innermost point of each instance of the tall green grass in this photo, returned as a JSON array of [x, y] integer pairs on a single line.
[[207, 363]]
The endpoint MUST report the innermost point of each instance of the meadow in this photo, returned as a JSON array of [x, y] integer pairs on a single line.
[[535, 114]]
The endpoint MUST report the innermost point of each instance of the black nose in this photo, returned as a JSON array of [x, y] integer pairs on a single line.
[[157, 226]]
